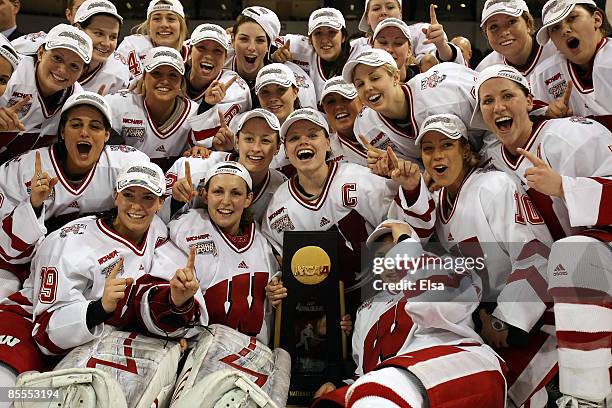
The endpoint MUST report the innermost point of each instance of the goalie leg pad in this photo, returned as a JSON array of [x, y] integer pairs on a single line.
[[144, 367], [17, 348], [77, 388], [224, 348], [227, 388]]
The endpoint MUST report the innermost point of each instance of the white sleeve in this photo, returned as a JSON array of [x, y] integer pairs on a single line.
[[60, 307], [374, 195]]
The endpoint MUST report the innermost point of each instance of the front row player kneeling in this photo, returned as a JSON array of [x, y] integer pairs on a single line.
[[420, 333], [76, 292]]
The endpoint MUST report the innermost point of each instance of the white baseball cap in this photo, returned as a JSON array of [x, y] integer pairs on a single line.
[[142, 174], [165, 5], [229, 167], [308, 114], [268, 116], [363, 23], [159, 56], [373, 57], [276, 73], [553, 12], [8, 52], [494, 71], [448, 124], [92, 7], [392, 22], [326, 17], [338, 85], [512, 8], [266, 18], [210, 32], [89, 98], [70, 38]]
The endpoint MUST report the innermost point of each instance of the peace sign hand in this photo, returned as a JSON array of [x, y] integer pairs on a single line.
[[374, 157], [184, 284], [224, 139], [541, 177], [216, 91], [9, 116], [41, 185]]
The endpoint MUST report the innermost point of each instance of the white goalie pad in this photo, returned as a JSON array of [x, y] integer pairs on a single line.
[[228, 389], [141, 369], [223, 348], [76, 387]]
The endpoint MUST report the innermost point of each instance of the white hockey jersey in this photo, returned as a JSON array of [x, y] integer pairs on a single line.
[[113, 74], [493, 222], [389, 324], [22, 229], [65, 285], [199, 167], [445, 88], [306, 89], [579, 150], [233, 272], [353, 202], [28, 44], [131, 120], [40, 121], [540, 55], [590, 96], [206, 124], [343, 150], [238, 93], [134, 49]]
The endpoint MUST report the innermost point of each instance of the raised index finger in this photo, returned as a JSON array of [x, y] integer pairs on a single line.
[[366, 143], [392, 158], [222, 119], [113, 273], [191, 259], [37, 165], [287, 44], [535, 160], [432, 14], [568, 93], [230, 82], [188, 172]]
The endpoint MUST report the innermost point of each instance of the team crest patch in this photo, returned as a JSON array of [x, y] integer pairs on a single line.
[[301, 81], [122, 148], [133, 133], [557, 90], [282, 224], [433, 80], [76, 229], [205, 247], [107, 269]]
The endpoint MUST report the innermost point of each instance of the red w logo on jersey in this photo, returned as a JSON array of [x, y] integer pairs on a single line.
[[239, 302], [386, 337]]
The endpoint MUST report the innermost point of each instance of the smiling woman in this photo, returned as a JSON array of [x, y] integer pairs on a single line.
[[165, 26], [157, 123]]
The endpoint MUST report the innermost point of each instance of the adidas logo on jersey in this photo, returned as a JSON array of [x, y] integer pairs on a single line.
[[324, 221], [559, 271], [161, 148], [243, 265], [450, 237], [74, 204]]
